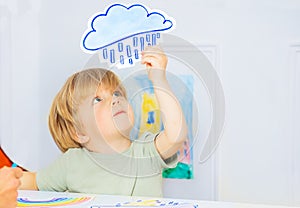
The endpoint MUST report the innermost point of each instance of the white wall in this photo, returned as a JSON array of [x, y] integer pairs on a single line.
[[19, 89], [258, 53]]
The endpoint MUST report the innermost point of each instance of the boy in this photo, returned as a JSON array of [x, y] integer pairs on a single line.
[[90, 121]]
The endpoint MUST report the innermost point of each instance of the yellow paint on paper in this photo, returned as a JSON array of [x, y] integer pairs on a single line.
[[150, 106]]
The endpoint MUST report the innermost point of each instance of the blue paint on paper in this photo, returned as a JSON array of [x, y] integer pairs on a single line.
[[150, 119]]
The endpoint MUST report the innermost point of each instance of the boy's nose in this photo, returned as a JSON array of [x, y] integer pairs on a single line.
[[116, 101]]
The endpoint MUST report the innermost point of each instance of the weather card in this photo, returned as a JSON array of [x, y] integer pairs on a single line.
[[121, 32]]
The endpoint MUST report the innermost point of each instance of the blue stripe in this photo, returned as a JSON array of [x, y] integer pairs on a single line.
[[142, 43], [148, 37], [136, 54], [112, 56], [120, 47], [105, 53], [128, 51], [122, 59], [153, 39], [135, 41]]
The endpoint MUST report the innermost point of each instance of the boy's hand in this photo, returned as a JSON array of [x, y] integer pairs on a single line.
[[156, 62], [9, 183]]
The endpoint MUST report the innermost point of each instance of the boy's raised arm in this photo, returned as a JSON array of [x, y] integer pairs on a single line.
[[175, 130]]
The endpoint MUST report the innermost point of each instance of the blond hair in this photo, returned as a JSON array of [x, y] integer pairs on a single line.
[[63, 122]]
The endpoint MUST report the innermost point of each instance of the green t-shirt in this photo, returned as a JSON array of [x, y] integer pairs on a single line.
[[136, 171]]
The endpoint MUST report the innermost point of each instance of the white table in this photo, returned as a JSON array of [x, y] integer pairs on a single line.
[[40, 198]]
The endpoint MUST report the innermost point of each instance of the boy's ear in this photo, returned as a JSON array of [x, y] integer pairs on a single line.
[[81, 138]]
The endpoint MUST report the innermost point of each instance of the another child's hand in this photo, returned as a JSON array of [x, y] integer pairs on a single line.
[[9, 183], [156, 62]]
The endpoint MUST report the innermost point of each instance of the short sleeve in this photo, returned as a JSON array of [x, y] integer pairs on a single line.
[[149, 149], [53, 178], [171, 162]]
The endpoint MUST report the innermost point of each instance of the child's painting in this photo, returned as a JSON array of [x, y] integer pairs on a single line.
[[149, 115], [53, 202], [150, 203]]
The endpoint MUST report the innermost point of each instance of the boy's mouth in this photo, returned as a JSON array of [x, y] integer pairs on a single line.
[[118, 113]]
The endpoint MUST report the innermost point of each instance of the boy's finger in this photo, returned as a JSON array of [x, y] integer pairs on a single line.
[[148, 59], [149, 56], [155, 54]]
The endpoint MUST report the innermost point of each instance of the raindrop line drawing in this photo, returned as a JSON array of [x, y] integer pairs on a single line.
[[121, 32], [127, 52]]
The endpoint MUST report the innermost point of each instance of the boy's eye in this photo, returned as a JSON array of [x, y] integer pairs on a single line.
[[97, 100], [117, 94]]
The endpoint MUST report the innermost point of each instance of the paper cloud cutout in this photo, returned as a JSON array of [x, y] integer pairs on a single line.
[[120, 22]]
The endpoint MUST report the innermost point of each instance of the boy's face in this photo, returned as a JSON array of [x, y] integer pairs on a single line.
[[107, 114]]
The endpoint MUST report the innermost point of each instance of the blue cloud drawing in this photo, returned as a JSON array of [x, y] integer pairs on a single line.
[[120, 22]]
